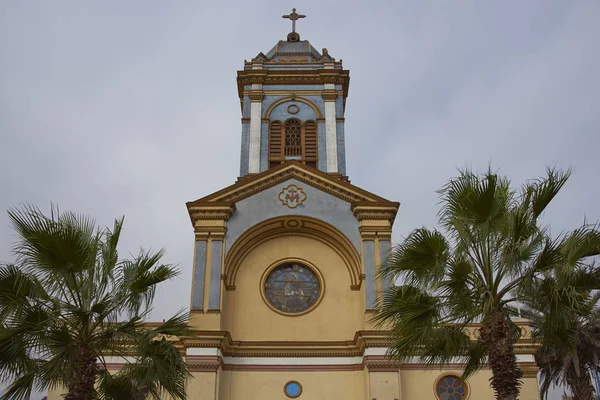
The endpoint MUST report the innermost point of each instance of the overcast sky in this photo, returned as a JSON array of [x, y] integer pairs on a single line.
[[130, 108]]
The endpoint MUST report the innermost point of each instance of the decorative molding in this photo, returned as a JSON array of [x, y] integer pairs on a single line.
[[256, 96], [248, 186], [210, 211], [329, 94], [294, 77]]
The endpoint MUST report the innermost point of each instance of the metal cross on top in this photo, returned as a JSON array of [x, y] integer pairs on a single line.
[[294, 17]]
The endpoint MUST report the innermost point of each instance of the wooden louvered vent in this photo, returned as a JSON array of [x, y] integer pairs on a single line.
[[275, 148], [310, 144], [293, 140]]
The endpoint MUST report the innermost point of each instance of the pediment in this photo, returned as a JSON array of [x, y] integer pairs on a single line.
[[249, 186]]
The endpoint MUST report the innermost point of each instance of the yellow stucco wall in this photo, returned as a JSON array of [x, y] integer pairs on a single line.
[[337, 317], [318, 385], [420, 385], [202, 386], [384, 385]]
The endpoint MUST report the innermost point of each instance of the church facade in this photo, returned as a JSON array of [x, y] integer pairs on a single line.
[[286, 263], [285, 274]]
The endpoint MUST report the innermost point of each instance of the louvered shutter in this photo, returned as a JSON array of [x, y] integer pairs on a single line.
[[275, 136], [310, 143]]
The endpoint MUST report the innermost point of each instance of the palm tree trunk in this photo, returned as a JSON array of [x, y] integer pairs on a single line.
[[506, 375], [581, 386], [81, 386]]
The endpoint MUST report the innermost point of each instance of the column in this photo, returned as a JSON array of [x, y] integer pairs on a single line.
[[256, 96], [329, 95], [210, 226], [375, 227]]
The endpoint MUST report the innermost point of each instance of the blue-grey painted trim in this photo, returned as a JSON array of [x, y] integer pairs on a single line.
[[370, 285], [214, 294], [305, 112], [245, 153], [264, 146], [198, 278], [341, 147], [322, 146], [385, 251], [339, 107], [270, 99], [246, 107]]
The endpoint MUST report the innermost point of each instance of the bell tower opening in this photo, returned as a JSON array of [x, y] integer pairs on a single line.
[[293, 139], [293, 100]]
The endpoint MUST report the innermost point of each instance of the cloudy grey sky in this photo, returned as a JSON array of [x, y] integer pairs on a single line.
[[130, 108]]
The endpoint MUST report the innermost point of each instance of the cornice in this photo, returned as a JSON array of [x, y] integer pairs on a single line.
[[335, 186], [351, 348], [294, 77], [373, 211], [210, 211]]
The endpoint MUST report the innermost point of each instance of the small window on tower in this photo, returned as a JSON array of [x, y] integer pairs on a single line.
[[293, 138]]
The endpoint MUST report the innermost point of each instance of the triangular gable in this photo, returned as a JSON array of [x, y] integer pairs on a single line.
[[246, 187]]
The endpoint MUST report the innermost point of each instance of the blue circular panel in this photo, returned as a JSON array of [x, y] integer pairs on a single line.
[[293, 389], [292, 288], [451, 388]]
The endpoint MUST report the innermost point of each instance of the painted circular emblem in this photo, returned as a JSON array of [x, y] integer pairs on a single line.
[[292, 196], [292, 389], [293, 109], [292, 288]]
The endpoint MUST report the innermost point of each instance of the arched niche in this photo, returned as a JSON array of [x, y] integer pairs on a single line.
[[312, 105], [292, 225]]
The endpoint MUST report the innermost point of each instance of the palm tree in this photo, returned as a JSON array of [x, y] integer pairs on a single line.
[[68, 303], [567, 328], [493, 243]]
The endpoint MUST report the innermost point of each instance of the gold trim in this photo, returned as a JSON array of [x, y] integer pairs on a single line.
[[454, 375], [354, 347], [329, 94], [293, 77], [256, 96], [305, 263], [251, 184], [297, 383]]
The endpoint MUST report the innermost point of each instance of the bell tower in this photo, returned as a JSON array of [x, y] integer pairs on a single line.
[[292, 101]]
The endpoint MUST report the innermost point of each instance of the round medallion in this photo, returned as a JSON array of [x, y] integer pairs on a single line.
[[293, 109], [292, 389], [451, 387], [292, 288]]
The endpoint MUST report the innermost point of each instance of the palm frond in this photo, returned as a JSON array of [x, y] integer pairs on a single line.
[[421, 259], [544, 190]]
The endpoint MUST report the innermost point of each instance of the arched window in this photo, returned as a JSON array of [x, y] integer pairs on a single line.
[[293, 140]]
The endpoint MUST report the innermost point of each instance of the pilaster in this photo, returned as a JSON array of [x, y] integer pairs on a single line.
[[375, 226], [329, 94], [256, 96], [210, 226]]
